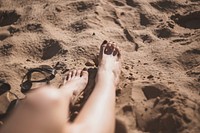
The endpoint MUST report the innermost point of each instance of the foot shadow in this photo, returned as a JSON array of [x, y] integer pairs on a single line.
[[120, 127], [75, 109]]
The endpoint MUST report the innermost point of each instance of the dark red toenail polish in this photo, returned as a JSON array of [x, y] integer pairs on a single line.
[[105, 41], [85, 69]]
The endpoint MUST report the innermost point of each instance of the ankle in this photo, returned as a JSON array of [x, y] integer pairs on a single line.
[[105, 78], [105, 73]]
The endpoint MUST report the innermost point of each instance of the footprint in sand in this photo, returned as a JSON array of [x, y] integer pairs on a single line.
[[146, 38], [144, 20], [168, 113], [190, 58], [5, 50], [166, 5], [151, 92], [190, 20], [163, 32], [120, 127], [52, 48], [79, 26], [132, 3], [8, 17], [83, 5], [118, 3], [129, 117]]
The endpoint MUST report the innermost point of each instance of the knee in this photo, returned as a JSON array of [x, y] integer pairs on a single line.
[[45, 96]]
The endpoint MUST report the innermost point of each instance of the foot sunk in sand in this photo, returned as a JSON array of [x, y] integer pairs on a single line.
[[75, 82]]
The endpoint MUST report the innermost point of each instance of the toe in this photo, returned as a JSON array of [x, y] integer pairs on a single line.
[[84, 73], [78, 73], [113, 46], [114, 49], [73, 73], [103, 46], [65, 79], [118, 53], [69, 75], [115, 52]]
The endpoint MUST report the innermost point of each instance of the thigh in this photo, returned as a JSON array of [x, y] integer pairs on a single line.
[[44, 110]]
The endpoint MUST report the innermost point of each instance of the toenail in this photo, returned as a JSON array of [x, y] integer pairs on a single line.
[[85, 69], [105, 41], [114, 52], [104, 45]]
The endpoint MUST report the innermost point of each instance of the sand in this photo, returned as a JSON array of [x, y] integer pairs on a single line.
[[159, 90]]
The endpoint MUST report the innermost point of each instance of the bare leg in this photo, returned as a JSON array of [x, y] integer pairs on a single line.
[[45, 109], [98, 114]]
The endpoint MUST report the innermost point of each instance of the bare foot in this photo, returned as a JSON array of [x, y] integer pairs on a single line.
[[109, 62], [75, 82]]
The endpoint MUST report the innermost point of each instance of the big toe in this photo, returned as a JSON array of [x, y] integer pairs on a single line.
[[84, 73], [69, 75], [103, 47]]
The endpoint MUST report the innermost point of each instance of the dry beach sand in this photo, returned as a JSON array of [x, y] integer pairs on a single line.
[[159, 90]]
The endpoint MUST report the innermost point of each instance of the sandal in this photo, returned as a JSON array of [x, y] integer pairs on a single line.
[[46, 73]]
